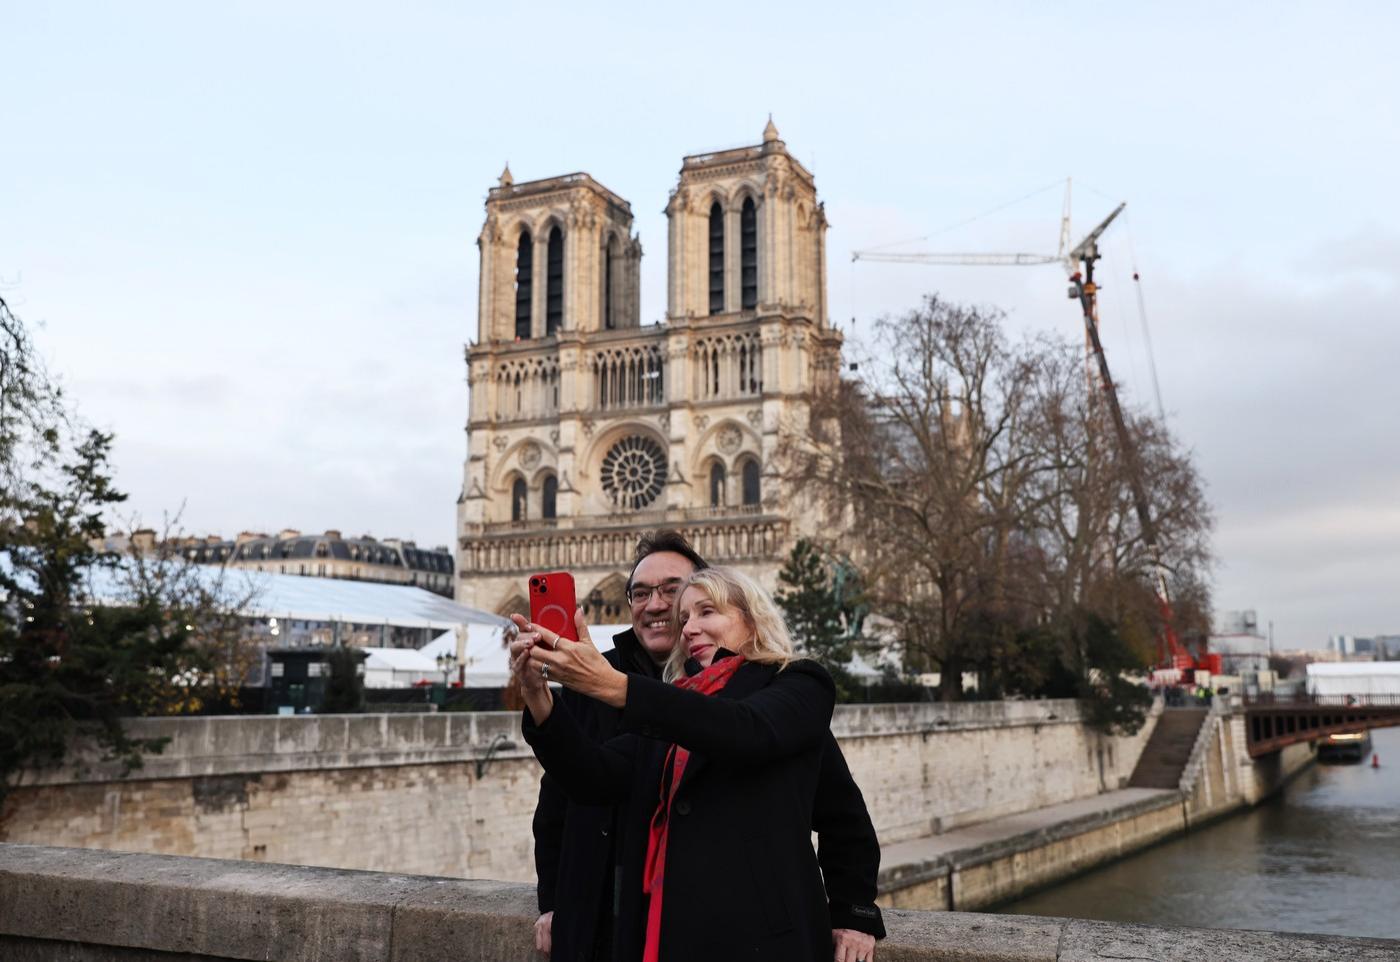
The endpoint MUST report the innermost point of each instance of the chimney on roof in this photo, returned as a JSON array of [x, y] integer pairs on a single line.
[[333, 533], [287, 534], [143, 540], [247, 536]]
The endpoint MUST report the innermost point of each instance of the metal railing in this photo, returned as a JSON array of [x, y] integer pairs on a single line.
[[1304, 700]]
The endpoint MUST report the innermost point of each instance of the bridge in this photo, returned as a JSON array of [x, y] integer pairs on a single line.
[[1275, 721]]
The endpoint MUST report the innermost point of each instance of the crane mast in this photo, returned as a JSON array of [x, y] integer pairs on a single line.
[[1085, 290]]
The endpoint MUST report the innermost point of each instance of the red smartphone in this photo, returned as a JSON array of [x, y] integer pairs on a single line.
[[552, 603]]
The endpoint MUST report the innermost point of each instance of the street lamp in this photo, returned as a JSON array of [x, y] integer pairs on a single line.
[[445, 663]]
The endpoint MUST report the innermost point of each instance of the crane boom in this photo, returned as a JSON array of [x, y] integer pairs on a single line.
[[974, 260]]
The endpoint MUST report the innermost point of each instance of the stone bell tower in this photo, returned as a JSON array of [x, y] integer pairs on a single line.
[[586, 429]]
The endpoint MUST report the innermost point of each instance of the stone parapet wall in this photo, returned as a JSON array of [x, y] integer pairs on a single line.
[[84, 906], [453, 794]]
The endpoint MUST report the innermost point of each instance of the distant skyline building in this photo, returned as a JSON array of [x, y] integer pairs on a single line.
[[586, 427], [325, 555]]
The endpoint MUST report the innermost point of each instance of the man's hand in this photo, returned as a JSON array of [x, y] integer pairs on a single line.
[[850, 945], [544, 933], [578, 664]]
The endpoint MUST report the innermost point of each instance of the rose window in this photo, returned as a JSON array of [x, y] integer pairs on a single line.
[[634, 469]]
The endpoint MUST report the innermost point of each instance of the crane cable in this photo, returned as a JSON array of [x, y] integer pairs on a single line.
[[975, 217], [1142, 321]]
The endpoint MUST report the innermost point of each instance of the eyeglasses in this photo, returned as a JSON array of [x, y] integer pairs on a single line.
[[641, 594]]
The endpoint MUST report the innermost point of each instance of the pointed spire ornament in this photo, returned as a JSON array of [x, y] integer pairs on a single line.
[[506, 179], [770, 132]]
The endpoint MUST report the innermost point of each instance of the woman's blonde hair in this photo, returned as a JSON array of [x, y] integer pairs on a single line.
[[729, 588]]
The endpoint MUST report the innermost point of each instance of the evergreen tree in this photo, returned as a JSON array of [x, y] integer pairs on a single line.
[[345, 690], [816, 615], [68, 665]]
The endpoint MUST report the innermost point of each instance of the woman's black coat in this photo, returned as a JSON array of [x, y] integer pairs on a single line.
[[741, 877]]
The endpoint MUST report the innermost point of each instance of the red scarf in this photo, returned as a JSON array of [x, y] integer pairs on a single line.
[[706, 682]]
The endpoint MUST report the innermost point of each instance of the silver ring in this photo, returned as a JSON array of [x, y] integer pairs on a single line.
[[544, 671]]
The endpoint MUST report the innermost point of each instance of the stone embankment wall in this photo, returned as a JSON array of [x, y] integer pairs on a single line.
[[1006, 859], [88, 906], [925, 769], [453, 794]]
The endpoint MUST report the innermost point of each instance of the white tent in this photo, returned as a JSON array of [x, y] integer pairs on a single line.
[[487, 663], [1354, 678], [398, 668]]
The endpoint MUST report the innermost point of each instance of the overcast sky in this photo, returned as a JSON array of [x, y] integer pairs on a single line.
[[247, 230]]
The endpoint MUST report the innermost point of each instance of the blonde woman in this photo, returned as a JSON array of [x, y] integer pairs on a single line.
[[716, 777]]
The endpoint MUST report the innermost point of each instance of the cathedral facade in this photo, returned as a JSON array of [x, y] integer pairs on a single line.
[[587, 428]]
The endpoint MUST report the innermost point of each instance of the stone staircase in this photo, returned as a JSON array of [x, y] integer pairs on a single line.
[[1169, 749]]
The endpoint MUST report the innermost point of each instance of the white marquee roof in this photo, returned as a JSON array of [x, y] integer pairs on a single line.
[[306, 598], [1335, 669]]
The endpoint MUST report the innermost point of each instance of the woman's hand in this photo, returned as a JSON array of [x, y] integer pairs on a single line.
[[534, 686], [578, 664]]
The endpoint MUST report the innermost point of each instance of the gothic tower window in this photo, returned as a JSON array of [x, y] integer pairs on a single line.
[[716, 259], [716, 485], [751, 482], [550, 497], [554, 283], [524, 271], [518, 494], [609, 250], [748, 256]]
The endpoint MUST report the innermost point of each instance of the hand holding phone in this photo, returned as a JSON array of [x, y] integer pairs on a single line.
[[552, 603]]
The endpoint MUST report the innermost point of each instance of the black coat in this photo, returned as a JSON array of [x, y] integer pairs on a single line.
[[574, 843], [741, 876]]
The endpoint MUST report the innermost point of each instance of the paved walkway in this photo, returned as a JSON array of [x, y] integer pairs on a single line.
[[975, 843]]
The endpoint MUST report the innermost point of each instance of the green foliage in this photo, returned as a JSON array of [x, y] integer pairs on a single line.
[[820, 612], [1116, 703], [67, 666], [345, 689]]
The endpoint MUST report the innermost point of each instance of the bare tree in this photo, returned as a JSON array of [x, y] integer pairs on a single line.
[[209, 605], [985, 498]]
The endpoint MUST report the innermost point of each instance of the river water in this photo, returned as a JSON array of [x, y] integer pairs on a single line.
[[1322, 856]]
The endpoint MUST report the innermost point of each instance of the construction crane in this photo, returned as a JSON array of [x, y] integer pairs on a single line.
[[1079, 262], [1173, 654], [983, 260]]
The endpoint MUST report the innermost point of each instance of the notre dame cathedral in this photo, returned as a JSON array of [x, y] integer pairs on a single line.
[[587, 428]]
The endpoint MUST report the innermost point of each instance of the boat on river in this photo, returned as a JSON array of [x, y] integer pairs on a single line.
[[1344, 746]]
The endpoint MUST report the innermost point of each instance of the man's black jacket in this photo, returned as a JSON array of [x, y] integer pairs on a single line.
[[575, 844]]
